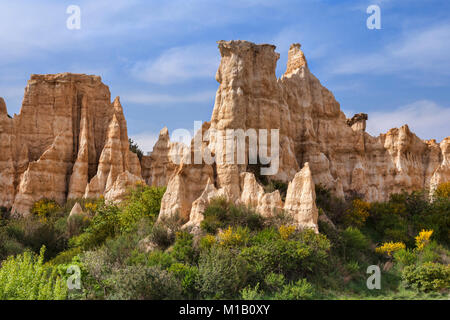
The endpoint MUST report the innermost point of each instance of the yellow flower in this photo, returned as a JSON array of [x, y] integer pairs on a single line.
[[389, 247], [286, 231], [230, 237], [423, 239]]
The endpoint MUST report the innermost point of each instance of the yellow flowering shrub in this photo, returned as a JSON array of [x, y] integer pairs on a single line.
[[286, 231], [91, 206], [423, 239], [389, 247], [443, 190], [44, 208], [207, 241], [233, 238], [358, 214]]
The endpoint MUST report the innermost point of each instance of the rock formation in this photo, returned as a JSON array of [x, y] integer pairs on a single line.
[[68, 141], [161, 163], [341, 156], [76, 210]]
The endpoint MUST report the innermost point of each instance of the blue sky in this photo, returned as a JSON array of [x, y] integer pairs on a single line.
[[161, 57]]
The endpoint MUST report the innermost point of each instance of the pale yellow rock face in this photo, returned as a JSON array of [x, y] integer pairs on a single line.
[[76, 210], [301, 200], [68, 141], [253, 195], [159, 165]]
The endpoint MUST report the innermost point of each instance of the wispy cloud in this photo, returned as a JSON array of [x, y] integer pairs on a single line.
[[179, 64], [145, 140], [425, 118], [418, 50]]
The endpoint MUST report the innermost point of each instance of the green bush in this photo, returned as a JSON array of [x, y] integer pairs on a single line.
[[404, 257], [427, 277], [222, 273], [220, 213], [354, 242], [300, 290], [104, 225], [162, 235], [188, 276], [274, 282], [25, 277], [65, 257], [160, 258], [143, 283], [304, 253], [250, 293], [183, 250], [143, 202]]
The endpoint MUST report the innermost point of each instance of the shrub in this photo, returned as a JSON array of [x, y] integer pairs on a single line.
[[65, 257], [354, 242], [142, 202], [427, 277], [143, 283], [286, 231], [300, 290], [134, 147], [162, 235], [220, 213], [76, 224], [160, 258], [230, 237], [188, 276], [404, 257], [207, 242], [334, 208], [389, 247], [274, 282], [25, 277], [44, 208], [250, 293], [353, 267], [301, 255], [104, 225], [222, 273], [35, 233], [443, 190], [422, 239], [183, 250], [358, 213]]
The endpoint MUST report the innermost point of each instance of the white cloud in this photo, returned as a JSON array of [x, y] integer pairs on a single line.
[[425, 118], [145, 140], [179, 64], [418, 50], [156, 98]]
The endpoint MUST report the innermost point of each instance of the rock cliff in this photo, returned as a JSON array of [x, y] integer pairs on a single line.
[[68, 141]]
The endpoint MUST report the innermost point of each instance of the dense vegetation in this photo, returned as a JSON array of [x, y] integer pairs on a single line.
[[122, 252]]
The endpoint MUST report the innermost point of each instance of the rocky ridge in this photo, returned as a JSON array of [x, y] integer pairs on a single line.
[[70, 141]]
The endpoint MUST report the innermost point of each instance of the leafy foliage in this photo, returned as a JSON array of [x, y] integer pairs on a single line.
[[25, 277]]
